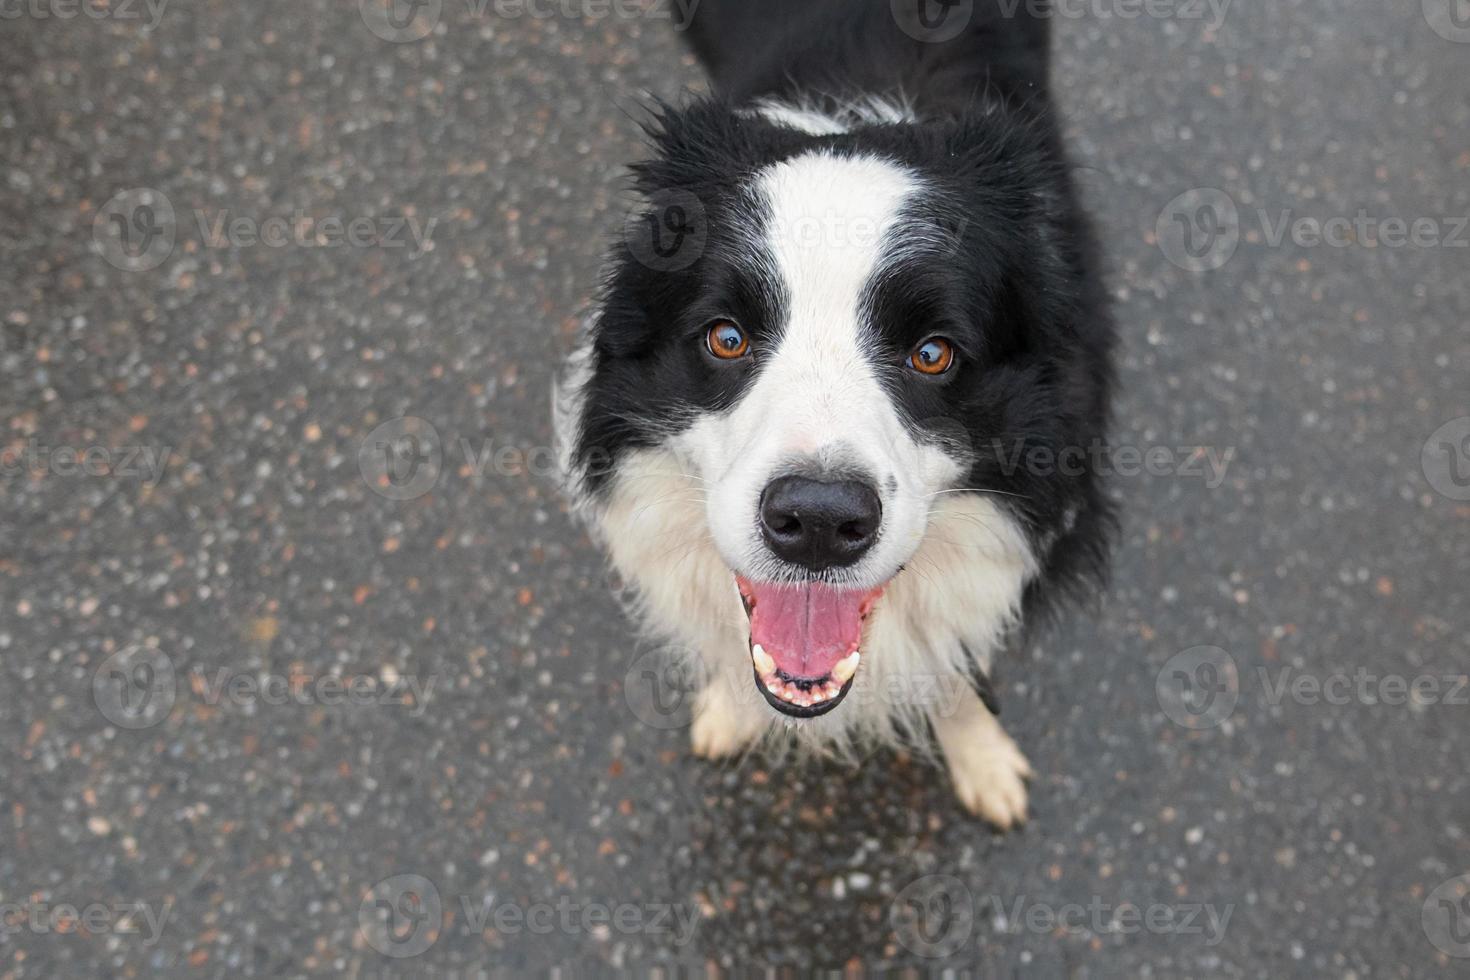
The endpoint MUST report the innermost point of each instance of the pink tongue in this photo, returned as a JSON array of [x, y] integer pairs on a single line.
[[807, 628]]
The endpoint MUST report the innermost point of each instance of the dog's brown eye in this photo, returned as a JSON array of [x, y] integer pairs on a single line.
[[727, 341], [933, 356]]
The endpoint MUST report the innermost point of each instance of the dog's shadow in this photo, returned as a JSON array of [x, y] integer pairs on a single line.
[[816, 858]]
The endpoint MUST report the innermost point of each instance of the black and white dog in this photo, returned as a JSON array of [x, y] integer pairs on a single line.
[[858, 304]]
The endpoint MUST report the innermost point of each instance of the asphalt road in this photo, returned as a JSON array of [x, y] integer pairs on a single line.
[[268, 709]]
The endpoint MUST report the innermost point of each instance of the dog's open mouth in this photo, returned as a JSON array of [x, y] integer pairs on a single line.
[[805, 642]]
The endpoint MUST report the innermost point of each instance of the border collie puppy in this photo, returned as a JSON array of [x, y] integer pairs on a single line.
[[839, 410]]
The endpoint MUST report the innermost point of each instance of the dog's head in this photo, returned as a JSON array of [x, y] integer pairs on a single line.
[[831, 332]]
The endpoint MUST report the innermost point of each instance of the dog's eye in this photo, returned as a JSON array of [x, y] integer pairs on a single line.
[[934, 356], [727, 341]]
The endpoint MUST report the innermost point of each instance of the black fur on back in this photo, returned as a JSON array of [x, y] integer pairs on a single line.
[[779, 48]]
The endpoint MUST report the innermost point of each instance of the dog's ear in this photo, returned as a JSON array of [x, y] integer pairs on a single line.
[[705, 142], [700, 153], [1022, 214], [692, 146]]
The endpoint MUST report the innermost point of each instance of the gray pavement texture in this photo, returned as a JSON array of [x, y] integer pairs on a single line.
[[269, 709]]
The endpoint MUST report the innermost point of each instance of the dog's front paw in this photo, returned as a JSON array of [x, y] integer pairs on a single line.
[[719, 730], [989, 775]]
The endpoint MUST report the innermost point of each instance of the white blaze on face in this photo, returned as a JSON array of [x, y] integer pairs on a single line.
[[834, 223]]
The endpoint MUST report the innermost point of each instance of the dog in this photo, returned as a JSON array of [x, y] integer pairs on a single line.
[[856, 310]]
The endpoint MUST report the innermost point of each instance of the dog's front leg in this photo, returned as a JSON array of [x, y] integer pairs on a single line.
[[725, 723], [987, 768]]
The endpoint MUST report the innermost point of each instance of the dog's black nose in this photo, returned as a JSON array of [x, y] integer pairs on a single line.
[[820, 525]]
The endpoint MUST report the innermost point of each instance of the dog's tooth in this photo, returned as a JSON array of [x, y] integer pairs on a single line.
[[847, 667], [763, 661]]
